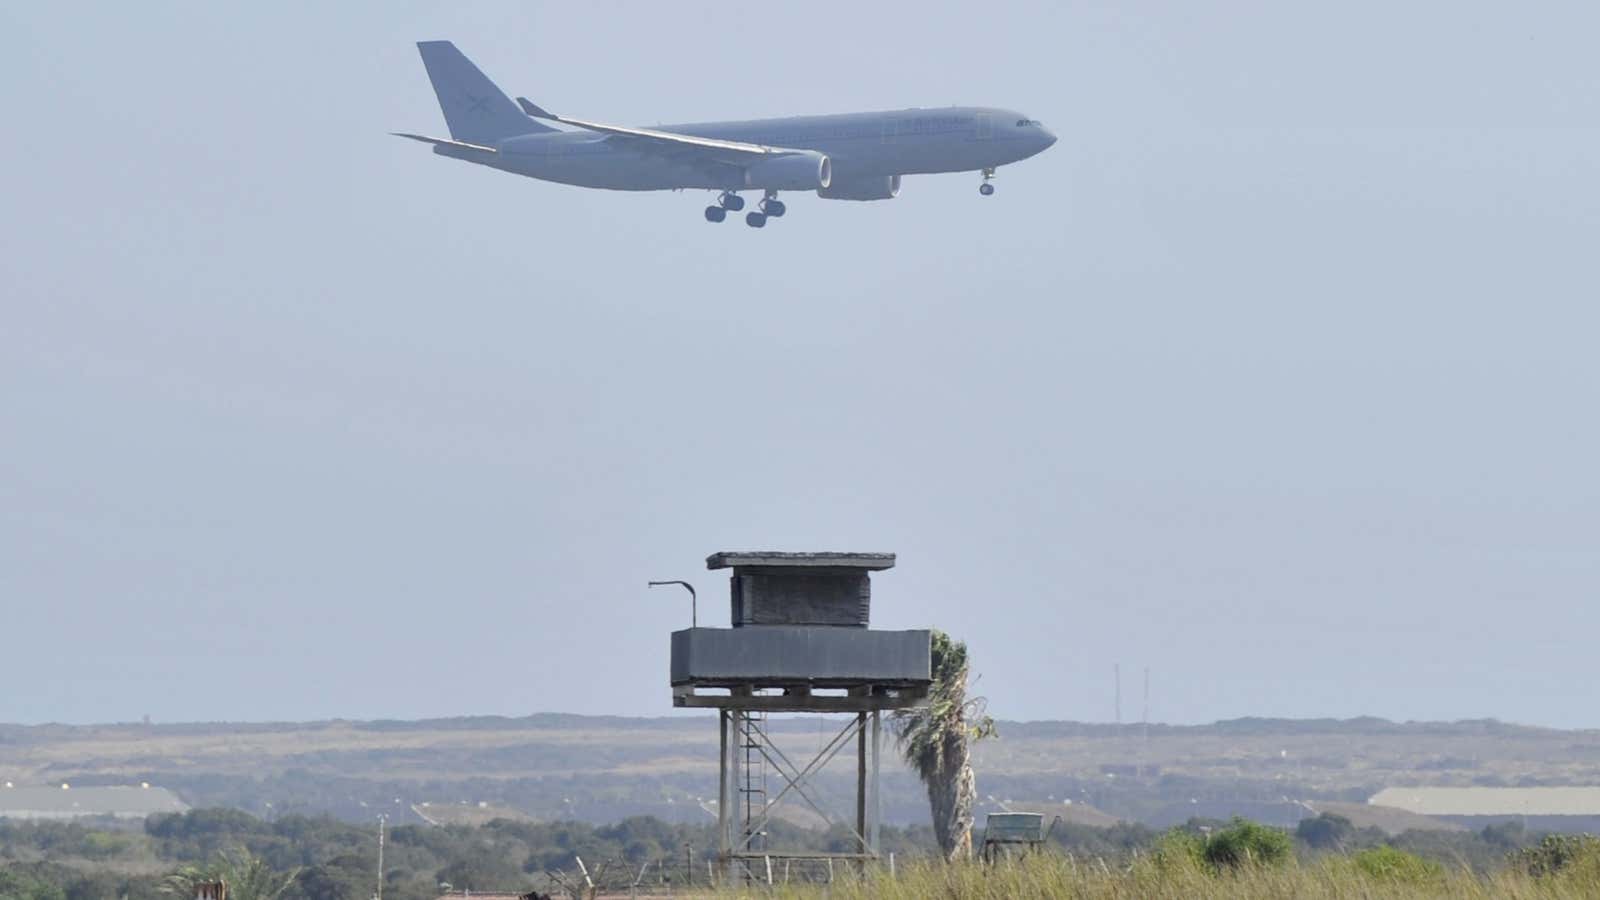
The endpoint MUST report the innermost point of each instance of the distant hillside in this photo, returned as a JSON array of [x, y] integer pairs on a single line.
[[604, 768]]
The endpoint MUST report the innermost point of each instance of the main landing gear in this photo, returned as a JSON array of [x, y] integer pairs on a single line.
[[727, 202], [770, 207], [986, 188]]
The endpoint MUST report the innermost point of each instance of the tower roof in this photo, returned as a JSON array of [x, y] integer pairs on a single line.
[[775, 559]]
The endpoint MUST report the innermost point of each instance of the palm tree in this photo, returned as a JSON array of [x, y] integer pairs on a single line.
[[935, 739], [248, 877]]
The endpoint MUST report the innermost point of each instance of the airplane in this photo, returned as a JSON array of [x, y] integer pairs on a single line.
[[854, 156]]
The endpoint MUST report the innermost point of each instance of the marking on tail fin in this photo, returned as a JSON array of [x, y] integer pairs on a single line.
[[475, 110]]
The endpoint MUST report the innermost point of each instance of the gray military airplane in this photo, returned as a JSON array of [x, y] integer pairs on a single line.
[[854, 156]]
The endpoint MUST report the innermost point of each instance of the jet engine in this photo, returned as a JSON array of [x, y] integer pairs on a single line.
[[877, 187], [800, 170]]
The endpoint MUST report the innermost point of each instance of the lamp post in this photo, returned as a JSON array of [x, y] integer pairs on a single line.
[[694, 614]]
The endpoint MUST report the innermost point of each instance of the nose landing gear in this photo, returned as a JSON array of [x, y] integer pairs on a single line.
[[986, 188]]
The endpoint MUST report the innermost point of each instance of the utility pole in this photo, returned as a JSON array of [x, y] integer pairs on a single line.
[[1116, 700], [1144, 724]]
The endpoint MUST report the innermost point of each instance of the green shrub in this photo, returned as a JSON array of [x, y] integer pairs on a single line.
[[16, 884], [104, 844], [1388, 864], [1245, 843], [1179, 849], [1555, 853], [1327, 831]]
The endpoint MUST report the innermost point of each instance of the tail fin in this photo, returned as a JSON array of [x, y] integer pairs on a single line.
[[476, 111]]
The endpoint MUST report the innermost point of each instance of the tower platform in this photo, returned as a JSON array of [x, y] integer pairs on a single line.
[[782, 667]]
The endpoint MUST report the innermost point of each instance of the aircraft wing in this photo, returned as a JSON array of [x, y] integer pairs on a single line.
[[445, 142], [668, 143]]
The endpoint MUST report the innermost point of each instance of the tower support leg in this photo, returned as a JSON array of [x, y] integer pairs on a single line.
[[861, 785], [724, 796], [875, 801]]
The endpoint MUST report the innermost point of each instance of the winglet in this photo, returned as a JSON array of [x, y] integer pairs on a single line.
[[533, 109]]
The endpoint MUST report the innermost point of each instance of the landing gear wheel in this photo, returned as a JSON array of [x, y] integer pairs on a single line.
[[715, 214], [732, 202], [774, 208], [986, 189], [756, 219]]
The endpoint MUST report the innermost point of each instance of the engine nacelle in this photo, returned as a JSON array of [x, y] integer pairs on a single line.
[[802, 170], [876, 187]]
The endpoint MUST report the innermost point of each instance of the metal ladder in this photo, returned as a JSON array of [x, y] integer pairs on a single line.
[[754, 787]]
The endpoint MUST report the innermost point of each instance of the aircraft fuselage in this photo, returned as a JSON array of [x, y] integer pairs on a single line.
[[859, 145]]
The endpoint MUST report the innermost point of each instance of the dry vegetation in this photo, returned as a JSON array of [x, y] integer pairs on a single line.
[[1334, 755], [1323, 756], [1049, 876]]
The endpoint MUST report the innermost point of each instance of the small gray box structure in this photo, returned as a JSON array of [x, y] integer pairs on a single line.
[[1025, 828], [1005, 833]]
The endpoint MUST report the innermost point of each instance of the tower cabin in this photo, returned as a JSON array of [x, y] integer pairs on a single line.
[[800, 640]]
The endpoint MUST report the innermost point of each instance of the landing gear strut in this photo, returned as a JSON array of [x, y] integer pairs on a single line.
[[986, 188], [772, 206], [727, 202]]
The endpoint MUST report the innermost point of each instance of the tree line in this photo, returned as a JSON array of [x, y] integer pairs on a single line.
[[320, 858]]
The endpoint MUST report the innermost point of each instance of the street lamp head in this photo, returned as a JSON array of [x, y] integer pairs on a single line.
[[694, 613]]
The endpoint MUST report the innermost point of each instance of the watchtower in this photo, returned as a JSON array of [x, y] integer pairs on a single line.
[[799, 643]]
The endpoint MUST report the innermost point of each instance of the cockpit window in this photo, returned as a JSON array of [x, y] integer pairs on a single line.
[[1024, 123]]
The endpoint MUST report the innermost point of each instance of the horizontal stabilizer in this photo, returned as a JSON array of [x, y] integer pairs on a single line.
[[532, 109], [445, 142]]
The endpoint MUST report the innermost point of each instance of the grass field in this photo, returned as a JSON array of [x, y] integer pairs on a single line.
[[1051, 876]]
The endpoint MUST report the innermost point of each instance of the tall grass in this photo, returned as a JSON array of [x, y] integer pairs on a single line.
[[1054, 876]]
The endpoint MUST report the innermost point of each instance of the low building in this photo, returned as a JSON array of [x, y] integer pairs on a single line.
[[61, 802], [1544, 808]]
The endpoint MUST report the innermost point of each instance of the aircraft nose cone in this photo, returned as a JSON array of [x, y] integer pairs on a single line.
[[1047, 138]]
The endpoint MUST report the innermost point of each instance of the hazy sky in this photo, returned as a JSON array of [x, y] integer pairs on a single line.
[[1277, 374]]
